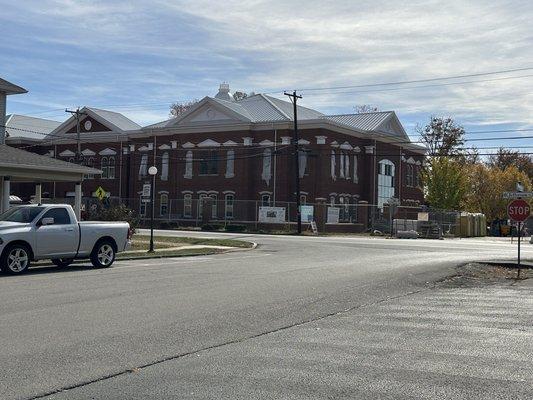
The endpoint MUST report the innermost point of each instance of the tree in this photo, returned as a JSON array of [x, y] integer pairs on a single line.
[[442, 137], [445, 183], [505, 158], [365, 108], [486, 184], [179, 108], [240, 95]]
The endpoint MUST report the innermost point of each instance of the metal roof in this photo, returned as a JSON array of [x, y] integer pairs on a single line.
[[10, 88], [119, 120], [23, 126], [11, 157], [363, 121]]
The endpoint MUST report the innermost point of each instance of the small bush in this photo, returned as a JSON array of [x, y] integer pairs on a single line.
[[211, 227], [235, 228], [115, 213]]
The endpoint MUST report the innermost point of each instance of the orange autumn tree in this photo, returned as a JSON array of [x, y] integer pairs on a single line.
[[486, 185]]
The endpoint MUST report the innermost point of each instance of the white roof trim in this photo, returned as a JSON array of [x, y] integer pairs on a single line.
[[187, 145], [108, 152], [164, 147], [88, 152], [346, 146], [143, 148], [209, 143], [266, 142], [67, 153], [229, 143]]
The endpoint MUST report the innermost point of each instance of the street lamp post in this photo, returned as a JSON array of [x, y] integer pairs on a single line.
[[152, 171]]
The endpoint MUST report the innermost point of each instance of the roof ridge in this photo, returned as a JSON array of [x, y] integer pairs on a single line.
[[365, 113], [299, 106]]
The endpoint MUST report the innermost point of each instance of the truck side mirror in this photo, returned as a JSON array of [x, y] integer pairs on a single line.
[[47, 221]]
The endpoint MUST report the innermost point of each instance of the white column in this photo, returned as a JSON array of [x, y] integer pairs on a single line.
[[38, 196], [5, 193], [77, 201]]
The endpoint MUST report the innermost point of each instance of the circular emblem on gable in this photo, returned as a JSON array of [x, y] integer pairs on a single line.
[[210, 113], [88, 125]]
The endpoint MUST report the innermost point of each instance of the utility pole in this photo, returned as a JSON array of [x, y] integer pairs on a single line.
[[77, 113], [294, 98]]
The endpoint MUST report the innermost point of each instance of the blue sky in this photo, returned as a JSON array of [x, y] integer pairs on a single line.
[[137, 57]]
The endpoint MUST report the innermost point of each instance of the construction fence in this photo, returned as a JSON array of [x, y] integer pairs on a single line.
[[229, 214]]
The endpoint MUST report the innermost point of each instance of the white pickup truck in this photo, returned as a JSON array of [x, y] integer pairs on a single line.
[[51, 231]]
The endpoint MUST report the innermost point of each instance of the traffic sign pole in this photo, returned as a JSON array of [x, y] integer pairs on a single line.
[[519, 211]]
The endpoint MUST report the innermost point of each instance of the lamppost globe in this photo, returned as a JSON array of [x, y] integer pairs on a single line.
[[152, 171]]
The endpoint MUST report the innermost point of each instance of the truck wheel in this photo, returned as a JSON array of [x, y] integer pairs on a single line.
[[62, 262], [15, 259], [103, 254]]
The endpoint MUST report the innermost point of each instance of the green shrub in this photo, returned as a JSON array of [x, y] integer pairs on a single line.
[[114, 213], [235, 228], [211, 227]]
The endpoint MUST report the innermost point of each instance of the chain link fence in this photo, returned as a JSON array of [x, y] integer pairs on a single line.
[[230, 214]]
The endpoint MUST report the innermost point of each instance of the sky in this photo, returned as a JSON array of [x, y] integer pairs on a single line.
[[137, 57]]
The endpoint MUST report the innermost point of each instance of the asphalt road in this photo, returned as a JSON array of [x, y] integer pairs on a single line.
[[139, 329]]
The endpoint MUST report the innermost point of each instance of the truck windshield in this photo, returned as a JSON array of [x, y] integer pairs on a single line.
[[21, 214]]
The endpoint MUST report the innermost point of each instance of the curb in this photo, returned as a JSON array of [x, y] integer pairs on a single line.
[[155, 256]]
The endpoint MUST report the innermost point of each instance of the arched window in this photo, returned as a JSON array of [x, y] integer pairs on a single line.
[[267, 163], [90, 163], [333, 166], [230, 164], [385, 181], [143, 167], [355, 176], [188, 165], [103, 167], [111, 168], [302, 162], [229, 200], [163, 204], [164, 167], [347, 166], [187, 205]]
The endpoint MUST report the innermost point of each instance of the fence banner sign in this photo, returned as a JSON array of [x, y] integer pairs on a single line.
[[272, 215], [307, 213], [423, 216], [333, 215], [516, 195]]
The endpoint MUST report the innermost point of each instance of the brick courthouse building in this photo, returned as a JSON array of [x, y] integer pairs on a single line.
[[236, 151]]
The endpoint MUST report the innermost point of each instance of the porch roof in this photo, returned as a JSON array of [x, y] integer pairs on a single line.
[[22, 165]]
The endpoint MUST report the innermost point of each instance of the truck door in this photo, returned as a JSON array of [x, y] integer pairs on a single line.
[[59, 239]]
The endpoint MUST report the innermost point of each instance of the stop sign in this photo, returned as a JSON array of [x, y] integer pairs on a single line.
[[518, 210]]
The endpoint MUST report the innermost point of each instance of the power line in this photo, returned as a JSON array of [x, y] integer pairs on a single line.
[[414, 81], [417, 87]]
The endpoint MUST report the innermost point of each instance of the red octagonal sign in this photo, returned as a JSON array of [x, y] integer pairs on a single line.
[[518, 210]]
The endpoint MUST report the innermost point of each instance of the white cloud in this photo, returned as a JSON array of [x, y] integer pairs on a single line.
[[167, 49]]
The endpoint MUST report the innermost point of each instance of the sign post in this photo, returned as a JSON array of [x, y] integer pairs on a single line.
[[519, 211]]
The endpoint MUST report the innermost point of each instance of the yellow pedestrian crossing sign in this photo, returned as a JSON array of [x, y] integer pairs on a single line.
[[100, 193]]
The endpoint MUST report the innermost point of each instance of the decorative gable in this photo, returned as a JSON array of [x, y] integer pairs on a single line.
[[266, 143], [229, 143], [164, 147], [209, 143], [88, 124], [187, 145], [67, 153], [87, 153], [108, 152]]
